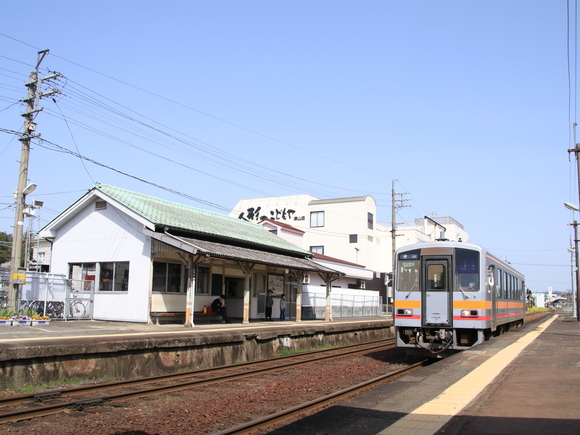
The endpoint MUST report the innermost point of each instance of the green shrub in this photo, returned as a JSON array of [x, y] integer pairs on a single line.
[[537, 310]]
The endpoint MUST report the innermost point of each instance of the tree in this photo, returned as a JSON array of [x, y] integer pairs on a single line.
[[5, 247]]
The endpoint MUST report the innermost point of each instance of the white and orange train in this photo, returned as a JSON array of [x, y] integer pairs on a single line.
[[451, 296]]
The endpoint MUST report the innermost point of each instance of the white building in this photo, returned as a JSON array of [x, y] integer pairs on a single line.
[[143, 258], [349, 296], [347, 228]]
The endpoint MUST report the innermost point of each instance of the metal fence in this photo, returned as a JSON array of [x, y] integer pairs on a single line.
[[343, 306], [4, 284], [57, 297]]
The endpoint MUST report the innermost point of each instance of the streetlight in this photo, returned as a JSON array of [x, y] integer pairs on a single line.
[[576, 301]]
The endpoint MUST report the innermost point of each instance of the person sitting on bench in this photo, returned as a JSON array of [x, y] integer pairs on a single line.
[[219, 307]]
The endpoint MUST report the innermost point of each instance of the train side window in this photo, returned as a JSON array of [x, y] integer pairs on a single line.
[[499, 284], [504, 287], [512, 287], [436, 277]]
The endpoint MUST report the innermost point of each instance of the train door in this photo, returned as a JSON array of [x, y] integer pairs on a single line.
[[438, 291], [493, 284]]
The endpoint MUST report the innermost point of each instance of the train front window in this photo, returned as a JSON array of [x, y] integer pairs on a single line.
[[408, 276], [467, 270], [436, 277]]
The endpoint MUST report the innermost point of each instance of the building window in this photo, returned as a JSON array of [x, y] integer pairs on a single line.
[[114, 276], [275, 232], [370, 220], [202, 286], [167, 277], [316, 219], [317, 249], [353, 238], [217, 284], [110, 276], [82, 275]]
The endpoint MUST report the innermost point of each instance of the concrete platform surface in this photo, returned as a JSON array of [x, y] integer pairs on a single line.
[[524, 382]]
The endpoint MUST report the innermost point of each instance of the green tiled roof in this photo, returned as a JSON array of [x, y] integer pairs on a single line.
[[164, 213]]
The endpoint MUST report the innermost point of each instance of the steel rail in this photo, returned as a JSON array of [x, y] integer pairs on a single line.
[[291, 413], [50, 395], [98, 401]]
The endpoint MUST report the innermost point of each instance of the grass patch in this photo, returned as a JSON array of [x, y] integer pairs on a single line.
[[61, 382], [538, 310], [286, 351]]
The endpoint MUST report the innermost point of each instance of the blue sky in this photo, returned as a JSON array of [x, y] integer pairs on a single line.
[[469, 105]]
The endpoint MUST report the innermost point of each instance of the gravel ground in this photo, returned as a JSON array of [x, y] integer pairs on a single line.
[[213, 408]]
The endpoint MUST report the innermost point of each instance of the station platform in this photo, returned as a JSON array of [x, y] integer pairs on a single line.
[[80, 329], [526, 381], [119, 350]]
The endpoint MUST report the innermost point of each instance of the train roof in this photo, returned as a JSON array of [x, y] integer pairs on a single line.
[[460, 245], [442, 243]]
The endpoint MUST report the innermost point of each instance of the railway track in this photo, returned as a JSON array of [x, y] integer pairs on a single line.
[[25, 407], [290, 414]]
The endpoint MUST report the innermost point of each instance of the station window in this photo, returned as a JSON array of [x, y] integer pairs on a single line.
[[167, 277], [370, 219], [82, 276], [109, 276], [217, 284], [114, 276], [235, 287], [202, 281]]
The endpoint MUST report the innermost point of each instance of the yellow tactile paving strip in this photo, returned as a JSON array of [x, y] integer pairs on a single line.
[[429, 418]]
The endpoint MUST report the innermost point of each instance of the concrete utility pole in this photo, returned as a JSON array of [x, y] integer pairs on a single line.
[[32, 108]]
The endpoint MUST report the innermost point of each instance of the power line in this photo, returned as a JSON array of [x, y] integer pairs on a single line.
[[237, 164], [65, 150]]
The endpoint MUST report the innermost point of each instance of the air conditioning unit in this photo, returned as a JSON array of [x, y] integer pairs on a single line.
[[361, 284], [306, 279]]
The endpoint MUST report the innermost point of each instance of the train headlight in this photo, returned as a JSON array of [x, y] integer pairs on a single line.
[[405, 312], [469, 313]]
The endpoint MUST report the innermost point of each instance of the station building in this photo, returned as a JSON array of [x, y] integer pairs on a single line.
[[143, 258], [347, 228]]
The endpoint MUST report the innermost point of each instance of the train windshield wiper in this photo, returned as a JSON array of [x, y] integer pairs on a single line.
[[460, 289], [412, 288]]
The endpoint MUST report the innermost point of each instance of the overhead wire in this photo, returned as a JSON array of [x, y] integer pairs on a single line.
[[236, 163], [41, 142], [311, 186]]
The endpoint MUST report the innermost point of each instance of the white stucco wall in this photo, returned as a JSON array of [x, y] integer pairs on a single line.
[[108, 235], [343, 216]]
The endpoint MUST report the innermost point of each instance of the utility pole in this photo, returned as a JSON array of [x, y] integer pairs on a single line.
[[32, 99], [576, 151], [396, 204]]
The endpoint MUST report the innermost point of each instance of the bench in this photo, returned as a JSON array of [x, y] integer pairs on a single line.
[[177, 316], [208, 313]]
